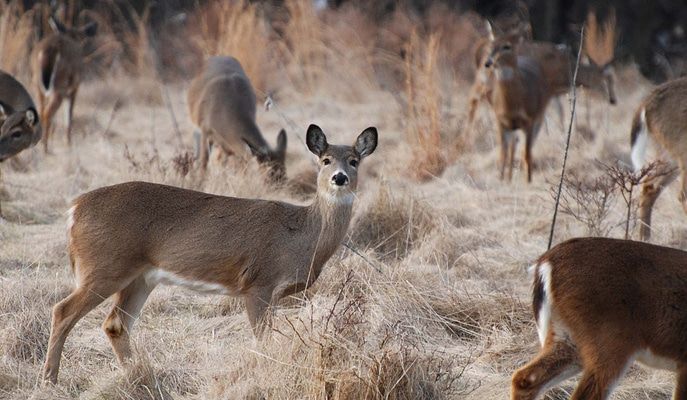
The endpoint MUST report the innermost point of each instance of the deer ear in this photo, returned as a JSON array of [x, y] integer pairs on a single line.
[[56, 26], [490, 32], [281, 143], [316, 141], [90, 29], [31, 117], [366, 143]]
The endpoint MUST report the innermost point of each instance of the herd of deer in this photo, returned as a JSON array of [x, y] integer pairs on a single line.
[[599, 304]]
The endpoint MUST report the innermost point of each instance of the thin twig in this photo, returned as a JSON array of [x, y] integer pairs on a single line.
[[573, 102]]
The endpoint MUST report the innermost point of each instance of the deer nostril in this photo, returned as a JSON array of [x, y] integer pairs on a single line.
[[340, 179]]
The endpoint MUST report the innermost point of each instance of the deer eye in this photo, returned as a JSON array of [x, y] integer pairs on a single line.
[[506, 47], [326, 161], [16, 135], [353, 163]]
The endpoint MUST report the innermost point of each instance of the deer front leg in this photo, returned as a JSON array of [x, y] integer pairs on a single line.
[[651, 189], [69, 114], [258, 302]]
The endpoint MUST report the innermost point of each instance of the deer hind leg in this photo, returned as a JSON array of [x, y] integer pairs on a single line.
[[556, 362], [513, 142], [126, 309], [605, 362], [530, 137], [258, 302], [651, 189], [680, 392], [65, 315]]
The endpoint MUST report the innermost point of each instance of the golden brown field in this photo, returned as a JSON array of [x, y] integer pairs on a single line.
[[430, 298]]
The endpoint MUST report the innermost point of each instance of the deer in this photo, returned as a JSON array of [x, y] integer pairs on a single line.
[[557, 62], [659, 121], [19, 124], [57, 65], [222, 104], [601, 304], [127, 238], [518, 98]]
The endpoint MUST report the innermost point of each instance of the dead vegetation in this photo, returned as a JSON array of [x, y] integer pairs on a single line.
[[430, 299]]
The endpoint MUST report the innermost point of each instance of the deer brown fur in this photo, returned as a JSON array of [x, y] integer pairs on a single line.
[[601, 304], [127, 238], [57, 65], [222, 104], [659, 120]]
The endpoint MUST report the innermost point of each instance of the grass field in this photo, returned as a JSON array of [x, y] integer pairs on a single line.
[[429, 299]]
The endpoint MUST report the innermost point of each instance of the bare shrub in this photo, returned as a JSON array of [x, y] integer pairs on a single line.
[[392, 224], [423, 107], [589, 201]]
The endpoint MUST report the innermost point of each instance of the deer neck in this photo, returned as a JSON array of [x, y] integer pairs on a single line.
[[328, 217]]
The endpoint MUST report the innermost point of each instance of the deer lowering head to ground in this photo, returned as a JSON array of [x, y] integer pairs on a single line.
[[19, 124], [127, 238], [222, 104], [600, 304], [660, 122], [57, 66]]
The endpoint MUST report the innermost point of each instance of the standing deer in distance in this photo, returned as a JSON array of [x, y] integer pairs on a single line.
[[222, 104], [556, 62], [127, 238], [19, 124], [600, 305], [660, 121], [57, 67]]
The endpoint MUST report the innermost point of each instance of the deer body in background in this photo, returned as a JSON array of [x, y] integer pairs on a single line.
[[57, 68], [222, 104], [557, 63], [127, 238], [660, 120], [19, 124], [600, 304]]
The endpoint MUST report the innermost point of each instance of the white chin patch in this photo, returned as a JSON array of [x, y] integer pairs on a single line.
[[340, 196], [504, 73]]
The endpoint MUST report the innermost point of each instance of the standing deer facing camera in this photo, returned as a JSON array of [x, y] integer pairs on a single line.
[[57, 65], [19, 125], [660, 119], [222, 102], [518, 97], [600, 304], [127, 238]]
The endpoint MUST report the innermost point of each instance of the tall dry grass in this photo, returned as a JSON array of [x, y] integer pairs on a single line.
[[424, 107], [18, 34]]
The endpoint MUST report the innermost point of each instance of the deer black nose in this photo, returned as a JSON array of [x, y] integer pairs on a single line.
[[340, 179], [489, 62]]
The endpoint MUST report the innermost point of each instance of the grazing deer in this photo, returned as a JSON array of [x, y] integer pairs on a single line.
[[600, 304], [57, 65], [556, 62], [127, 238], [19, 123], [222, 104], [661, 118]]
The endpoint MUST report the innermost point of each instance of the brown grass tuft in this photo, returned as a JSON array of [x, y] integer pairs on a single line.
[[392, 224], [599, 40], [424, 103]]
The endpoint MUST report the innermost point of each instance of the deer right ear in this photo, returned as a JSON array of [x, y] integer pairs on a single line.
[[56, 26], [316, 141]]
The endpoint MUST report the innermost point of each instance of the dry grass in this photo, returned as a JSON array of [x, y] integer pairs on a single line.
[[430, 301]]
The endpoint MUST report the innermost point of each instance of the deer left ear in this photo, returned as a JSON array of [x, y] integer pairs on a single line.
[[31, 117], [366, 143]]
